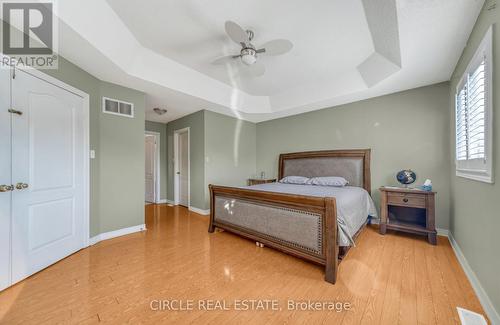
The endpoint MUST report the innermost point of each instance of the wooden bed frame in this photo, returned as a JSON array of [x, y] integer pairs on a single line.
[[326, 207]]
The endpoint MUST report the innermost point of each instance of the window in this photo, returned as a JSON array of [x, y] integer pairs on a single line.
[[117, 107], [473, 111]]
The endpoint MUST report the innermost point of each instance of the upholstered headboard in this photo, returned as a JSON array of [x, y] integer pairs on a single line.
[[353, 165]]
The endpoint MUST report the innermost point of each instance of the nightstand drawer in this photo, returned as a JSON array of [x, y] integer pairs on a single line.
[[406, 200]]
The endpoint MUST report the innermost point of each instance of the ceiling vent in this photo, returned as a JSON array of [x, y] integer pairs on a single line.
[[117, 107]]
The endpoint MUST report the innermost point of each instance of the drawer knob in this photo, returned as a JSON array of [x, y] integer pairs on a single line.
[[405, 200]]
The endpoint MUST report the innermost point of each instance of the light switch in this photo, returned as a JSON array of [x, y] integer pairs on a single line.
[[92, 154]]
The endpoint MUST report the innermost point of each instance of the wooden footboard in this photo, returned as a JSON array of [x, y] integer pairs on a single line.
[[325, 207]]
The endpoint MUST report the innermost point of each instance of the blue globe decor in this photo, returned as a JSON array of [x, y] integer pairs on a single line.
[[406, 177]]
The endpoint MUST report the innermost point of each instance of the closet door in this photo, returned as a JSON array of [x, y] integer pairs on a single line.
[[184, 169], [48, 174], [5, 178], [150, 144]]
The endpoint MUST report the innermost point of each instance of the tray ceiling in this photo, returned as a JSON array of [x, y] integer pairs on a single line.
[[343, 50]]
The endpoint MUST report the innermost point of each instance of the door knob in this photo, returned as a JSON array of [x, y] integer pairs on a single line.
[[6, 188], [21, 186], [178, 173]]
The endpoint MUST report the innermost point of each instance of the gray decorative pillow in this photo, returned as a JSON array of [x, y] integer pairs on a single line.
[[328, 181], [294, 180]]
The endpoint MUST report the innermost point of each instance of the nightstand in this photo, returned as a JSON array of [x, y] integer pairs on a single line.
[[408, 210], [255, 181]]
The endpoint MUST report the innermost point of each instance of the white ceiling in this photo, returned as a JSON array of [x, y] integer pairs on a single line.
[[329, 37], [343, 50]]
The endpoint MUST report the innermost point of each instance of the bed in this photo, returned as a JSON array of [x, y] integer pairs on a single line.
[[315, 223]]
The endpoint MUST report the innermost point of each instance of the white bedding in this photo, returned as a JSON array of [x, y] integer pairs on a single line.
[[354, 204]]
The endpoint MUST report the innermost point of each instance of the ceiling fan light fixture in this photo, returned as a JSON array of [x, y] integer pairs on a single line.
[[248, 56], [159, 111]]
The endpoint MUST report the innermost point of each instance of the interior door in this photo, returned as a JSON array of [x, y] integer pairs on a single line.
[[183, 169], [150, 167], [48, 172], [5, 178]]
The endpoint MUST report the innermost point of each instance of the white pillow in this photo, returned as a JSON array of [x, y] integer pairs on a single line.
[[294, 180], [328, 181]]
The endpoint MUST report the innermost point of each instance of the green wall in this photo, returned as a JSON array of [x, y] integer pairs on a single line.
[[230, 151], [222, 152], [409, 129], [196, 125], [475, 205], [117, 172], [122, 162], [404, 130], [162, 129]]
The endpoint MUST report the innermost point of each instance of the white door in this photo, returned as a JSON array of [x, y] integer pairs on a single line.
[[150, 167], [183, 169], [47, 159], [5, 178]]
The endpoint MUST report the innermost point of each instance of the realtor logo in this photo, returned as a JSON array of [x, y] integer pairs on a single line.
[[29, 34]]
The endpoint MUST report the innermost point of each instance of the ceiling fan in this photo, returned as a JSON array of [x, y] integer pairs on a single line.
[[249, 53]]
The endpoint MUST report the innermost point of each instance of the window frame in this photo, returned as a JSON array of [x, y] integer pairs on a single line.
[[469, 168], [132, 111]]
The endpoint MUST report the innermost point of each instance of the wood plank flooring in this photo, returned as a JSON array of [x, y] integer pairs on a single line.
[[392, 279]]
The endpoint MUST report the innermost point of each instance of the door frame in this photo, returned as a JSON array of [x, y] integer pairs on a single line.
[[176, 164], [157, 171], [86, 141]]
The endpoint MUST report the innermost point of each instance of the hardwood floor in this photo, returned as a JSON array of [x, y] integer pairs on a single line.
[[386, 280]]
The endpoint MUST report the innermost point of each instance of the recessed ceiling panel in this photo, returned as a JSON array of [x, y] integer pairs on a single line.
[[327, 35], [343, 51]]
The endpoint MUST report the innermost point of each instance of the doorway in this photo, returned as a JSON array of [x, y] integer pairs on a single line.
[[44, 179], [152, 167], [181, 167]]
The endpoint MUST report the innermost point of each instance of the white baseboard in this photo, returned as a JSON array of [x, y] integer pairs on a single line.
[[485, 301], [116, 233], [162, 201], [443, 232], [170, 202], [200, 211]]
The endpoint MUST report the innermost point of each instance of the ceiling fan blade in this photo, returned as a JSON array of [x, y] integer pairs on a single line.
[[225, 59], [257, 69], [235, 32], [276, 47]]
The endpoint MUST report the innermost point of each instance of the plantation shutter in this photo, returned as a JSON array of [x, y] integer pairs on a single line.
[[470, 115]]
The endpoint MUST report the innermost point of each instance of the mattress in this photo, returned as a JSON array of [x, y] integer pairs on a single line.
[[354, 204]]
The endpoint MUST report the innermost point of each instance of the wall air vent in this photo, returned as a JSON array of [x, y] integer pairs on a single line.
[[117, 107]]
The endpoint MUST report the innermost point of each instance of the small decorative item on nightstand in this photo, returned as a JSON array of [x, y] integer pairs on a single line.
[[427, 186], [255, 181], [406, 177], [408, 210]]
